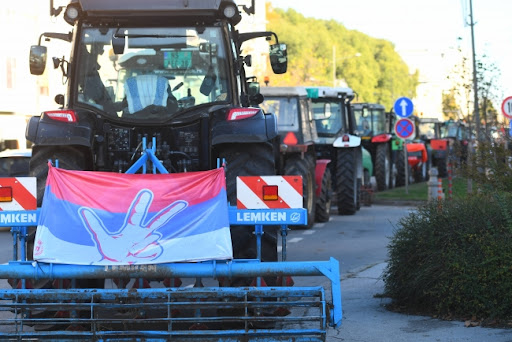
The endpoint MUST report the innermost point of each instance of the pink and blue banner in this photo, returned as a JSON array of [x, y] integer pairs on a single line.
[[105, 218]]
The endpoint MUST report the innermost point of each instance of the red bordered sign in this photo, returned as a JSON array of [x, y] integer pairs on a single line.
[[506, 107]]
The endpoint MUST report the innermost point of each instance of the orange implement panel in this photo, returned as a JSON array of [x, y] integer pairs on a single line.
[[418, 147], [439, 144]]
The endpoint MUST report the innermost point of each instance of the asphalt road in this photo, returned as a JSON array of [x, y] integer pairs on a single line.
[[356, 241]]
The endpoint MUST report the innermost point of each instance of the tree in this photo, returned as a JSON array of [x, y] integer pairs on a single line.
[[378, 74]]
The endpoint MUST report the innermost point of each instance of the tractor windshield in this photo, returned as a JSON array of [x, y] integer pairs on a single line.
[[286, 109], [370, 121], [450, 130], [328, 117], [146, 73], [427, 130]]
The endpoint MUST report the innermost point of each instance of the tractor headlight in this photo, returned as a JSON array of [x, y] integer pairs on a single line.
[[229, 11], [72, 14]]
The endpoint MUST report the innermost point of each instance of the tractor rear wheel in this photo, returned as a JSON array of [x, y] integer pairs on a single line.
[[346, 181], [442, 167], [249, 160], [70, 159], [323, 204], [303, 167]]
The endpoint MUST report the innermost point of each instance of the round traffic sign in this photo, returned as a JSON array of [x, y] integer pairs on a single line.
[[403, 107], [404, 128], [506, 107]]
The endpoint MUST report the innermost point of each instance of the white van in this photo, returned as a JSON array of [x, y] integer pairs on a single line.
[[12, 131]]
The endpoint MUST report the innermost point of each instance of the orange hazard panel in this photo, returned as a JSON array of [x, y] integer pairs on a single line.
[[418, 147], [439, 144]]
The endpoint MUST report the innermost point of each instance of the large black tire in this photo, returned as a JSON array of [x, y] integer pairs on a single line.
[[323, 203], [249, 160], [297, 166], [346, 181], [382, 167], [400, 168], [442, 167], [421, 173], [70, 159], [401, 174]]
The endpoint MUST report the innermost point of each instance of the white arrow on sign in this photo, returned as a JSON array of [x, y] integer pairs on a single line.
[[403, 104]]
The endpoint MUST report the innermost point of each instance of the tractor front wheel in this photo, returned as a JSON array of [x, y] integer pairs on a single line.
[[346, 181], [323, 204]]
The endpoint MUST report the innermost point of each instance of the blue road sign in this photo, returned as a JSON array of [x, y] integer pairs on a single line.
[[403, 107], [404, 128]]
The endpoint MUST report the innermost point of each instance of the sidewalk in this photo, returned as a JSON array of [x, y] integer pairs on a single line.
[[366, 319]]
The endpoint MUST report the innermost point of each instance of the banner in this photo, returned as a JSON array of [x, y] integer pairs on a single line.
[[105, 218]]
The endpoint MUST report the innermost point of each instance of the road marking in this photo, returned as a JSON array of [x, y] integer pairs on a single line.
[[308, 232], [292, 240]]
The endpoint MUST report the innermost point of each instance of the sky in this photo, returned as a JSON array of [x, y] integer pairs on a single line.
[[425, 28]]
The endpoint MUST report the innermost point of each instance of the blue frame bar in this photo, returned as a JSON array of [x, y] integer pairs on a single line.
[[20, 220]]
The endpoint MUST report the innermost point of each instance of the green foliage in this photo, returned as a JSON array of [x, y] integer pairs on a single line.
[[378, 75], [490, 167], [419, 191], [454, 258], [451, 110]]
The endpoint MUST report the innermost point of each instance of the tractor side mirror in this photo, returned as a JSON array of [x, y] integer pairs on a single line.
[[37, 59], [253, 90], [278, 58], [118, 44]]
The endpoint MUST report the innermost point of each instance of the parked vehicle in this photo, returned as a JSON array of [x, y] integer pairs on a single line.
[[147, 70], [15, 163], [157, 85], [375, 127], [336, 126], [458, 140], [297, 132]]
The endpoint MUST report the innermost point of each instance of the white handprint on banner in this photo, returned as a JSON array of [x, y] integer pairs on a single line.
[[134, 240]]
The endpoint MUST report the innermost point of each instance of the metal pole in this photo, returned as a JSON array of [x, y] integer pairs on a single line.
[[475, 90], [475, 81], [406, 168], [334, 65]]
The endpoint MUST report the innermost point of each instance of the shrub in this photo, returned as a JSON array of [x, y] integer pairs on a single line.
[[454, 258]]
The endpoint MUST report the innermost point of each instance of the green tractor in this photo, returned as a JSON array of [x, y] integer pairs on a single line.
[[337, 141], [374, 126]]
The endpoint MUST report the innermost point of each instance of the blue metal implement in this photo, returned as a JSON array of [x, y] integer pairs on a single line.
[[165, 310]]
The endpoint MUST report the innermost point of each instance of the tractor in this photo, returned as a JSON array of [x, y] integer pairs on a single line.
[[298, 155], [375, 127], [148, 69], [157, 86], [337, 141]]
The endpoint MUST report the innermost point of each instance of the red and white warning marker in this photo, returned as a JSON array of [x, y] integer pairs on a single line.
[[269, 192], [18, 193]]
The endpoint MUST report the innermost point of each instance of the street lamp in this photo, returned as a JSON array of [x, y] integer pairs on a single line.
[[357, 54]]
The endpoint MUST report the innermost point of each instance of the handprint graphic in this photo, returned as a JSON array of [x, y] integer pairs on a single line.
[[135, 240]]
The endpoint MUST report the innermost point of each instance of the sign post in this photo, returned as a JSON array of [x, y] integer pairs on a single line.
[[404, 129]]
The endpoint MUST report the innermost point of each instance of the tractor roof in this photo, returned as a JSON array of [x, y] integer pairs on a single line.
[[368, 105], [316, 92], [119, 9], [283, 91]]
